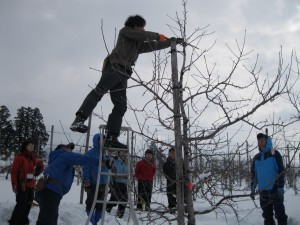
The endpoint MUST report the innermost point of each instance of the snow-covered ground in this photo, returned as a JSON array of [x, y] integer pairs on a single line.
[[73, 213]]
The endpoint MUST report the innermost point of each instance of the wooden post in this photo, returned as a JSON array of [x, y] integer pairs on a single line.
[[51, 138], [177, 132]]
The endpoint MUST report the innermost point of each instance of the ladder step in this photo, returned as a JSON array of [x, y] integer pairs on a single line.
[[112, 202], [114, 149], [114, 174]]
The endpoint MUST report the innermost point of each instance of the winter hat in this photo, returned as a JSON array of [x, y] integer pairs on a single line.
[[25, 143], [69, 146], [149, 151], [261, 135]]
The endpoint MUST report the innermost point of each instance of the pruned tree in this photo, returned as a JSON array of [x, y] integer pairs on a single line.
[[199, 106], [211, 100]]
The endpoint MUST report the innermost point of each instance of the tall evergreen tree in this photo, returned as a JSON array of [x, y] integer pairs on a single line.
[[29, 124], [6, 129]]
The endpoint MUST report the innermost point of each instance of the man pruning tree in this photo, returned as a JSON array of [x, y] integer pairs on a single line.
[[132, 41]]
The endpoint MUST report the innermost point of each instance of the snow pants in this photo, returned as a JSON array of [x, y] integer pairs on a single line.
[[171, 194], [144, 193], [115, 81], [49, 203], [21, 211], [269, 201], [90, 197], [118, 193]]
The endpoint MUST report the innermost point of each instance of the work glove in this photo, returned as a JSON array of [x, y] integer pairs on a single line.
[[15, 188], [252, 195], [162, 37], [108, 166], [87, 186], [280, 192], [178, 40]]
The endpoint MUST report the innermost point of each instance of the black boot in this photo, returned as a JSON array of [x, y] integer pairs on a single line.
[[269, 222], [111, 140], [78, 125], [282, 222]]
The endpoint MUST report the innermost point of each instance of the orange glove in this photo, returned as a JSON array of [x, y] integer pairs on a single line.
[[162, 37]]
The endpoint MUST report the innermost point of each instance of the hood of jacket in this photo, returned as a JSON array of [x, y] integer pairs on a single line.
[[268, 147], [96, 139]]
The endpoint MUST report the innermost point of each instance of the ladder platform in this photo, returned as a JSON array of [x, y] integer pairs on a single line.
[[122, 128], [110, 149], [114, 174], [112, 202]]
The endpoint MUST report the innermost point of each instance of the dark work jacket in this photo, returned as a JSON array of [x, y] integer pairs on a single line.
[[169, 170]]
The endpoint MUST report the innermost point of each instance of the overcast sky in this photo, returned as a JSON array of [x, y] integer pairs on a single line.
[[48, 46]]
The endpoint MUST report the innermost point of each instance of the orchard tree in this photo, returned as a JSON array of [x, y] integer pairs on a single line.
[[196, 103]]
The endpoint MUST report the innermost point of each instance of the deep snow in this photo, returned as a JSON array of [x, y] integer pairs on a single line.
[[72, 213]]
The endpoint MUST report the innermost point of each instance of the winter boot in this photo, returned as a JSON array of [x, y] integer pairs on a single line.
[[111, 140], [120, 214], [78, 125], [108, 209], [269, 222], [282, 222], [98, 216]]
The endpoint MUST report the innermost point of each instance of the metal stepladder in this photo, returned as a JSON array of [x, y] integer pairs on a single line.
[[112, 152]]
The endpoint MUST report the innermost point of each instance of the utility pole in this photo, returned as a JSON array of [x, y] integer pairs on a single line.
[[178, 136]]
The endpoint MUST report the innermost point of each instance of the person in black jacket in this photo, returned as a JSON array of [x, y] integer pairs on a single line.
[[132, 41], [169, 169]]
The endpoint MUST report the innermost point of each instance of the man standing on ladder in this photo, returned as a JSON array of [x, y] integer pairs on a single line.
[[132, 41]]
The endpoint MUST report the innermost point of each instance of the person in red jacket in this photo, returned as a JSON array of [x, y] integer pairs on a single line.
[[25, 168], [144, 173]]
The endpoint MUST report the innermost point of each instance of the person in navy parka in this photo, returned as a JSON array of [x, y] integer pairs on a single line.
[[268, 174], [90, 175], [60, 172]]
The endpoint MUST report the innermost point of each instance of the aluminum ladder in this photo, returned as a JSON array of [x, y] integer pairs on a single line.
[[112, 152]]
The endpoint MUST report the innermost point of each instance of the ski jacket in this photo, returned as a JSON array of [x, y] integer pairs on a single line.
[[61, 169], [169, 169], [120, 166], [267, 169], [130, 44], [145, 170], [90, 173], [24, 170]]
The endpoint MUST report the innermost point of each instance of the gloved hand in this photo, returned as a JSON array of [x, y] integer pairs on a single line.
[[178, 40], [87, 186], [162, 37], [280, 192], [252, 195], [108, 166], [15, 188]]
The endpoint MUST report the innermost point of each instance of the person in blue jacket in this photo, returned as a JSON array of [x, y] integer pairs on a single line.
[[268, 174], [119, 184], [90, 175], [60, 172]]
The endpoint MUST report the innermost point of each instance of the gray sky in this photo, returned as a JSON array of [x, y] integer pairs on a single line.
[[48, 46]]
